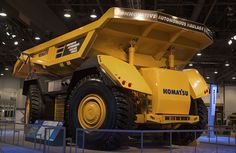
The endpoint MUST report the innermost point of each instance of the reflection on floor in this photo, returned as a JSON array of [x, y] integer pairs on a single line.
[[201, 148], [219, 139]]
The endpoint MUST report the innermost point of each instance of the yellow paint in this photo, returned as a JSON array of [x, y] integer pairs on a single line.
[[27, 111], [198, 86], [91, 111], [162, 79], [171, 61], [131, 55], [110, 35], [162, 119], [124, 74], [135, 68]]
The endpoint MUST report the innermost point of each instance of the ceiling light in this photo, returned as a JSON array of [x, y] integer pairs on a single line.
[[3, 43], [233, 78], [93, 15], [13, 36], [199, 54], [3, 14], [37, 38], [67, 15], [235, 37], [23, 39], [16, 43], [174, 17], [227, 64], [2, 74], [230, 42], [8, 33], [207, 77], [190, 64], [6, 69], [216, 72]]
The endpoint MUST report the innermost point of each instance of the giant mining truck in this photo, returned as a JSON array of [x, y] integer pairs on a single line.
[[123, 71]]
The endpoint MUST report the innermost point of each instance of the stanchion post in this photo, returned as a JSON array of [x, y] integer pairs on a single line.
[[83, 143], [18, 139], [14, 128], [45, 139], [76, 140], [216, 141], [209, 137], [34, 141], [229, 136], [235, 140], [141, 141], [170, 141], [5, 130], [64, 140], [70, 144], [195, 138]]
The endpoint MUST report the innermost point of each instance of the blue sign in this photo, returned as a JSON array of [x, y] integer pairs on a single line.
[[37, 131], [213, 99], [212, 109]]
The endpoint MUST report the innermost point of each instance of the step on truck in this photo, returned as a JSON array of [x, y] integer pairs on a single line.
[[123, 71]]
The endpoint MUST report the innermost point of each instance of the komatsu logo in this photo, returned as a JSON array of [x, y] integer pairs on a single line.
[[175, 92]]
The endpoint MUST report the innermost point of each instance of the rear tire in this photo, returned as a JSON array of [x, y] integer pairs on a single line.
[[185, 138], [119, 113], [34, 109]]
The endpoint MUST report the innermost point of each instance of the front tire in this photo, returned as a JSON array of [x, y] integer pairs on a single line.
[[111, 108]]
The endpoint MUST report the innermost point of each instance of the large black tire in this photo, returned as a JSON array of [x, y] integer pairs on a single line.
[[119, 113], [185, 138], [36, 105]]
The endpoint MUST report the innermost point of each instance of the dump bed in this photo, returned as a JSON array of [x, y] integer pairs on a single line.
[[154, 33]]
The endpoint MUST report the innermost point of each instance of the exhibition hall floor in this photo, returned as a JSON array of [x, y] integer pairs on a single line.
[[201, 148]]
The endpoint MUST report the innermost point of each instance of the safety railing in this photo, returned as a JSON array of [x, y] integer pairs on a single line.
[[15, 134], [141, 133]]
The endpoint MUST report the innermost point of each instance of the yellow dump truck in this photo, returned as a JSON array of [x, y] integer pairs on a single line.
[[123, 71]]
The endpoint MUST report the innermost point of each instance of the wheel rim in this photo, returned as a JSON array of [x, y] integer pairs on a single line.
[[91, 111], [27, 111]]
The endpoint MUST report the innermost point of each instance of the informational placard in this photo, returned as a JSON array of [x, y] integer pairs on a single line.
[[69, 48], [47, 124], [37, 131], [212, 109]]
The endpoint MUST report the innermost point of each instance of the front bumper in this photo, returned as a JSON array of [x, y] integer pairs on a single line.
[[166, 119]]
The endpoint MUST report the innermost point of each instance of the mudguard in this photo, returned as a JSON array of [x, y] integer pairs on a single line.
[[198, 86], [124, 74], [113, 71]]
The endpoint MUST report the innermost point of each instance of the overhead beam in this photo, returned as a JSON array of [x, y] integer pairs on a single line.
[[39, 14], [100, 6], [118, 3], [209, 12], [197, 10]]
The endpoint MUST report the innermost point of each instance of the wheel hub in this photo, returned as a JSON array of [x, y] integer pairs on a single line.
[[91, 111]]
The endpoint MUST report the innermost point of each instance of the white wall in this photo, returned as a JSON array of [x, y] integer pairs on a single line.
[[219, 98], [230, 100], [11, 87], [11, 92]]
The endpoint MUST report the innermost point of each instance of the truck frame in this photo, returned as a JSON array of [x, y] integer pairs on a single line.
[[123, 71]]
